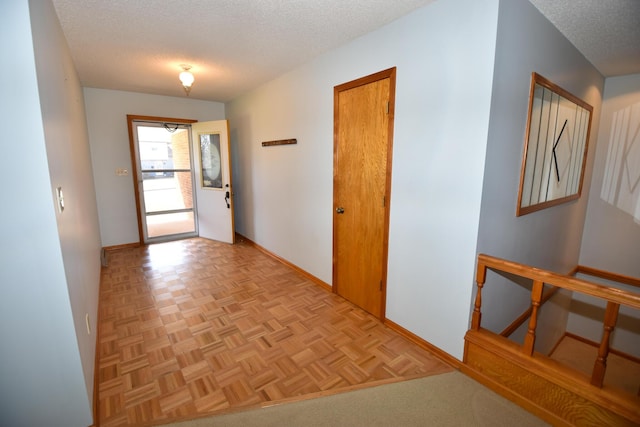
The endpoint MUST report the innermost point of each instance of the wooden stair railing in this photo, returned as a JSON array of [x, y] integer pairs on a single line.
[[613, 296], [600, 366], [627, 280], [482, 369], [547, 294], [530, 338], [559, 280]]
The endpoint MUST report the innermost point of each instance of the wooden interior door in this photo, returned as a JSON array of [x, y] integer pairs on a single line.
[[363, 134]]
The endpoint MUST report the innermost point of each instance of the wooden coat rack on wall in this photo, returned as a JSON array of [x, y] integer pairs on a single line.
[[280, 142]]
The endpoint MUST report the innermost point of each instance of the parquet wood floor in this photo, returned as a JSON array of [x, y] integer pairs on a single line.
[[195, 327]]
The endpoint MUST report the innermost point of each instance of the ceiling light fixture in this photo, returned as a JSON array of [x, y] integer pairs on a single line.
[[186, 78]]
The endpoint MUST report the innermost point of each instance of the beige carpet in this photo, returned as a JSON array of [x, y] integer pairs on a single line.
[[450, 399]]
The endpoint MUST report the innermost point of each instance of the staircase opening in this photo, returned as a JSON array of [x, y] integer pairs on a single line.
[[566, 344]]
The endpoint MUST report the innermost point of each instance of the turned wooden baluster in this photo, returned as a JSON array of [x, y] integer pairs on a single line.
[[530, 338], [599, 368], [481, 276]]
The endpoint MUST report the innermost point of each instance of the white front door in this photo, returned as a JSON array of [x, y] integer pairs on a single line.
[[214, 191]]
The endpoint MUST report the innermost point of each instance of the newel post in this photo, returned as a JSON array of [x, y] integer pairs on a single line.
[[600, 366], [530, 338], [481, 276]]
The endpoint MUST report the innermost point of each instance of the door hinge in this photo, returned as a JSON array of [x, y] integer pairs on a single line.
[[384, 201], [388, 106]]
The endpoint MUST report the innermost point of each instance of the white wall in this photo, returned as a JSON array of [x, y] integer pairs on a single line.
[[611, 239], [109, 140], [444, 62], [549, 238], [48, 275]]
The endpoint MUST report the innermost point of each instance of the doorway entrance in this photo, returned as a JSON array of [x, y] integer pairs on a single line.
[[363, 136], [182, 178], [164, 177]]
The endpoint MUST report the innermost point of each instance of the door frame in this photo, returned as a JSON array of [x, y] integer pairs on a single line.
[[389, 73], [134, 166]]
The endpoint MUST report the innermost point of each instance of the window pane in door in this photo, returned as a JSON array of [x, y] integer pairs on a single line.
[[168, 192], [173, 223]]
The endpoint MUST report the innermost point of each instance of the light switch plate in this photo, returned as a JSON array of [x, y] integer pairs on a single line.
[[60, 198]]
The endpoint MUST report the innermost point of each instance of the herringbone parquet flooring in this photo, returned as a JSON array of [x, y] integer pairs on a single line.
[[195, 327]]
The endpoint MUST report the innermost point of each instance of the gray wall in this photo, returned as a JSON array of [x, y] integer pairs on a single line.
[[50, 261], [549, 238], [611, 239]]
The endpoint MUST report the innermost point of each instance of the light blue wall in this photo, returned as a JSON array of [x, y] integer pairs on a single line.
[[65, 129], [47, 278], [284, 195]]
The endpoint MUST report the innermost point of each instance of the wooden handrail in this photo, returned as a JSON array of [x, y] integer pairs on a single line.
[[530, 338], [620, 278], [481, 276], [600, 365], [607, 293], [614, 297], [546, 296]]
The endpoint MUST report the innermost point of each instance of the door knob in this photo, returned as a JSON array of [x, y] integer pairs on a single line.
[[340, 210]]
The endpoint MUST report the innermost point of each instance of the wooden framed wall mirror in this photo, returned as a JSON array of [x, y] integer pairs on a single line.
[[555, 150]]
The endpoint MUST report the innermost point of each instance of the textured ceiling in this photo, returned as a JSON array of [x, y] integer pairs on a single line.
[[235, 45], [607, 32]]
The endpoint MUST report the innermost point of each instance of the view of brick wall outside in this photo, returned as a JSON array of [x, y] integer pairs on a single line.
[[180, 148]]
